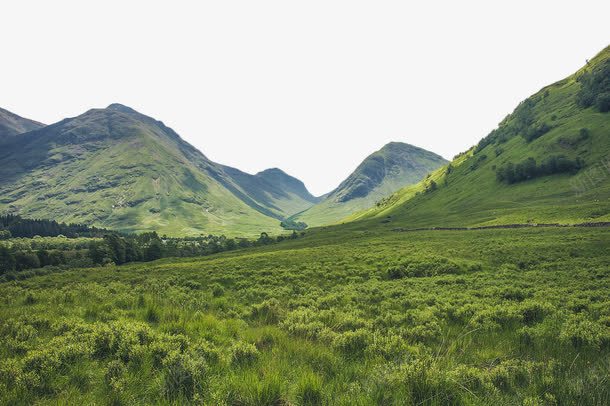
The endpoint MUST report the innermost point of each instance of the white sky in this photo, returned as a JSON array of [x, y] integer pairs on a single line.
[[311, 87]]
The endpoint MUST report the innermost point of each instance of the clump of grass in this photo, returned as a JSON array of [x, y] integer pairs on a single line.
[[309, 390]]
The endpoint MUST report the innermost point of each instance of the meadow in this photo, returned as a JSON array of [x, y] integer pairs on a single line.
[[506, 316]]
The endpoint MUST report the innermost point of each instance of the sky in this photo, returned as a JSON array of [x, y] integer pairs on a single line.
[[311, 87]]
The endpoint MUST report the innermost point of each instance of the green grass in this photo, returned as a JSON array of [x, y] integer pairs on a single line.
[[383, 172], [341, 316], [470, 195]]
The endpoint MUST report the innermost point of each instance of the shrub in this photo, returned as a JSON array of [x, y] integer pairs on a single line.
[[581, 332], [183, 376], [243, 353], [268, 311], [352, 343], [309, 390], [152, 314], [114, 371]]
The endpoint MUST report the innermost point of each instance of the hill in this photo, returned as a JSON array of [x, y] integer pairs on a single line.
[[546, 162], [120, 169], [383, 172], [11, 124]]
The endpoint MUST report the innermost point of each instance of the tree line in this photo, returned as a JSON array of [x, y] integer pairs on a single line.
[[12, 225], [114, 248], [529, 169]]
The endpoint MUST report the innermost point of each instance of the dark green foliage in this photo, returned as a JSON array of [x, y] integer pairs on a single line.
[[114, 248], [7, 260], [533, 133], [528, 169], [595, 88], [18, 226], [289, 224]]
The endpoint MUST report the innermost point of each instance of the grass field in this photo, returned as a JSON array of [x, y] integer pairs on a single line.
[[433, 317]]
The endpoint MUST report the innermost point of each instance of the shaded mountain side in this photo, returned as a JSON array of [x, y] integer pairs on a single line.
[[392, 167], [272, 192], [11, 125], [547, 162]]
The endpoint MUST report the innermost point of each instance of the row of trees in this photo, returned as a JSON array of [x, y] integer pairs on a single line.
[[12, 225], [529, 169], [119, 249]]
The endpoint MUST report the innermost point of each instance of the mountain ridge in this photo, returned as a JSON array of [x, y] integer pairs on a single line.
[[546, 162], [118, 168], [12, 124], [381, 173]]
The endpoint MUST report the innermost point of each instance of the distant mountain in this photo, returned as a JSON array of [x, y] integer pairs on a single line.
[[383, 172], [11, 124], [546, 162], [272, 191], [120, 169]]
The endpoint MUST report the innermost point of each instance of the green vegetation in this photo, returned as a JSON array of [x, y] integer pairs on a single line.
[[52, 253], [528, 169], [595, 87], [562, 150], [370, 312], [290, 224], [119, 169], [342, 316], [383, 172]]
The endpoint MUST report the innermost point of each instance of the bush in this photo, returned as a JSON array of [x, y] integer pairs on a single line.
[[183, 376], [268, 311], [243, 353], [581, 332], [353, 344], [309, 390]]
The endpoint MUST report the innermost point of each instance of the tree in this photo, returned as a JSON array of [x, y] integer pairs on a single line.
[[264, 239], [117, 248], [26, 260], [100, 253], [7, 260], [154, 250]]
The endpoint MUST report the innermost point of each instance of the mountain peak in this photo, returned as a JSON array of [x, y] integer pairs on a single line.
[[11, 124], [120, 108], [272, 171]]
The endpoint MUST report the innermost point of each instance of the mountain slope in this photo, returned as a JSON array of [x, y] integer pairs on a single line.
[[546, 162], [120, 169], [272, 192], [11, 124], [381, 173]]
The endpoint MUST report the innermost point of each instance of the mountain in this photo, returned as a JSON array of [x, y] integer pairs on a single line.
[[120, 169], [547, 162], [274, 192], [11, 124], [383, 172]]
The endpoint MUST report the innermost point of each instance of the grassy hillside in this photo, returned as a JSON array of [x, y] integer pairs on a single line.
[[337, 317], [555, 122], [380, 174], [11, 124], [274, 192], [119, 169]]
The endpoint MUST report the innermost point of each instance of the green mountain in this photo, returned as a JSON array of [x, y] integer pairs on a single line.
[[123, 170], [383, 172], [272, 191], [11, 124], [547, 162]]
